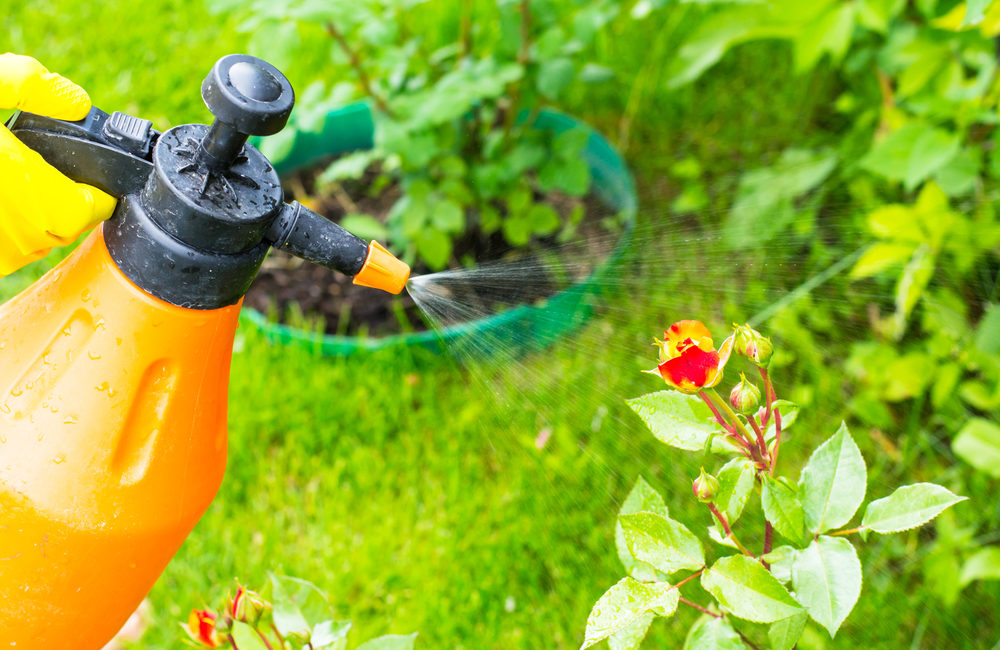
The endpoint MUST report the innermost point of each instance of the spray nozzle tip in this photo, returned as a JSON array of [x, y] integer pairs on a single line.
[[382, 270]]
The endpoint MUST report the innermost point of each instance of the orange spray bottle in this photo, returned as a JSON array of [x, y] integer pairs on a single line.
[[115, 365]]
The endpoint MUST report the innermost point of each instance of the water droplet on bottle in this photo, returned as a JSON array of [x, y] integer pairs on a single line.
[[70, 419], [59, 459], [86, 295], [16, 392], [4, 407], [102, 386], [94, 356]]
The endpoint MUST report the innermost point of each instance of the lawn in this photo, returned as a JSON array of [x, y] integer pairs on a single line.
[[409, 485]]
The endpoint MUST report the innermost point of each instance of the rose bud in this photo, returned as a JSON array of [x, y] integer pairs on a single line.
[[705, 487], [745, 396], [754, 345]]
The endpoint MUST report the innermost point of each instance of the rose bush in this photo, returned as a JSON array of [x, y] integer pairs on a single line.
[[814, 575]]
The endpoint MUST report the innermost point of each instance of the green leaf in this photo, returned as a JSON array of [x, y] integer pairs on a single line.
[[911, 153], [988, 331], [642, 498], [784, 634], [448, 216], [364, 226], [246, 638], [676, 419], [544, 219], [881, 256], [631, 637], [827, 580], [908, 507], [984, 564], [390, 642], [829, 33], [975, 11], [832, 484], [978, 444], [596, 73], [916, 274], [736, 481], [662, 542], [781, 560], [298, 604], [782, 509], [330, 635], [747, 590], [350, 166], [435, 247], [571, 176], [554, 75], [764, 204], [711, 633], [624, 604]]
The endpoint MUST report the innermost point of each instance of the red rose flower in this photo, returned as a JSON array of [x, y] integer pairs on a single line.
[[201, 628], [689, 361]]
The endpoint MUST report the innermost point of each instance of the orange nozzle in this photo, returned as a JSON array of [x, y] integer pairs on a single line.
[[382, 270]]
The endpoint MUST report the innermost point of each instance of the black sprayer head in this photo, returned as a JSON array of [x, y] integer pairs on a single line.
[[199, 207]]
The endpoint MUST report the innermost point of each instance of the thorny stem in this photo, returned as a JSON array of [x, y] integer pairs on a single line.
[[768, 541], [747, 641], [703, 610], [760, 435], [355, 61], [718, 416], [732, 434], [263, 638], [771, 398], [768, 392], [232, 641], [728, 530], [689, 578], [281, 640]]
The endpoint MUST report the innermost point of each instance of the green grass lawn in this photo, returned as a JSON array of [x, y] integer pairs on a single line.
[[408, 485]]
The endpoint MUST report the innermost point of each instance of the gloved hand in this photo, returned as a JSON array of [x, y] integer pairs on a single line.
[[39, 207]]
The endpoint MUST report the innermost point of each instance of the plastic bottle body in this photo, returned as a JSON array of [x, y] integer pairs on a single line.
[[112, 445]]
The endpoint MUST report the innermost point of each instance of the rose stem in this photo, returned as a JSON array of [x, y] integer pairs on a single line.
[[728, 530], [701, 609]]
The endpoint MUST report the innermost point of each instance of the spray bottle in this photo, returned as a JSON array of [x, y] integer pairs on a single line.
[[115, 365]]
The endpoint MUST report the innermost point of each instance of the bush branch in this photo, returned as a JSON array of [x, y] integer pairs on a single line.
[[355, 61]]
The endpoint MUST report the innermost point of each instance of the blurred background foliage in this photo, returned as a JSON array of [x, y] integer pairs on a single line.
[[829, 167]]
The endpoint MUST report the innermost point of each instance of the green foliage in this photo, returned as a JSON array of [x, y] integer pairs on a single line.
[[625, 604], [661, 542], [818, 577], [908, 507], [678, 420], [454, 112], [747, 590], [833, 482], [826, 576]]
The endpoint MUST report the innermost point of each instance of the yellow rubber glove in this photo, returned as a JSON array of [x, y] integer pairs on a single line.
[[39, 207]]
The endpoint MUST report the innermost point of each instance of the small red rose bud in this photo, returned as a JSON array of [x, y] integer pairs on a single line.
[[248, 606], [201, 628], [754, 345], [745, 396], [705, 487]]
